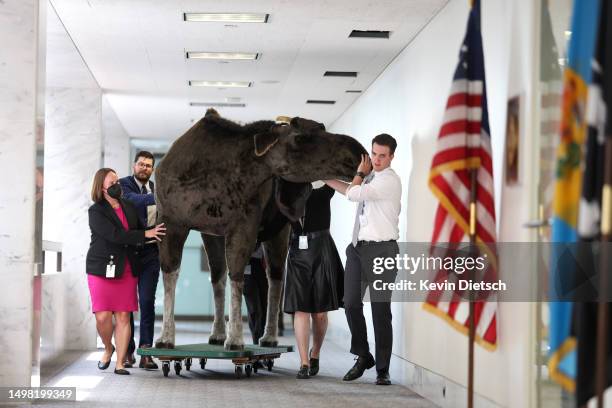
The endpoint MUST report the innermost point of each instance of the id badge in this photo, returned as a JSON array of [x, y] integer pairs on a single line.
[[110, 270], [303, 242], [363, 221], [247, 269]]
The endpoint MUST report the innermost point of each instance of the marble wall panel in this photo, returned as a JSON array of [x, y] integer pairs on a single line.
[[18, 52], [116, 141], [73, 149]]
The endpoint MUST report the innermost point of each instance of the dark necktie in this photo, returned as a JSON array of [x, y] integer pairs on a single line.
[[144, 190]]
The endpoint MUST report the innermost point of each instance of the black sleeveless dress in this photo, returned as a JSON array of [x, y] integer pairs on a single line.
[[314, 280]]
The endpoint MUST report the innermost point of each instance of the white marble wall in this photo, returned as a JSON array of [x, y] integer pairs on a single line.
[[116, 141], [53, 317], [73, 149], [18, 53]]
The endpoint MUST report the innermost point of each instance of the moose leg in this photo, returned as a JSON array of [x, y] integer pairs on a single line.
[[170, 253], [215, 250], [238, 248], [276, 253]]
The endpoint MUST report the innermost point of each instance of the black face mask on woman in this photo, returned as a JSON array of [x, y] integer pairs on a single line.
[[114, 191]]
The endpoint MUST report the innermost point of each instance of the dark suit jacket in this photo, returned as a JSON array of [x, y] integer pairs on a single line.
[[132, 193], [108, 237]]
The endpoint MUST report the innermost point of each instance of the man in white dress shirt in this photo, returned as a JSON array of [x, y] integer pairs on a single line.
[[375, 235]]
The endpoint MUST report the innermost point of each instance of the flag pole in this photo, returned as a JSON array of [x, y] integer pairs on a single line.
[[602, 309], [471, 325]]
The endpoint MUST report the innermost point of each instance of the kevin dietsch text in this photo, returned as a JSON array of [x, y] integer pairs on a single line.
[[427, 285], [458, 265]]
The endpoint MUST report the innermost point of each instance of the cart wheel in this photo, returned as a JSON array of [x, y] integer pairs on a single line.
[[165, 368], [203, 363], [188, 364], [177, 367], [270, 364], [238, 371], [248, 369]]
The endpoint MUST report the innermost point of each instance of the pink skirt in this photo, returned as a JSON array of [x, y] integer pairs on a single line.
[[114, 295]]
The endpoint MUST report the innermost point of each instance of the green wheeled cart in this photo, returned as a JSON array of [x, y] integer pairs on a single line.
[[244, 360]]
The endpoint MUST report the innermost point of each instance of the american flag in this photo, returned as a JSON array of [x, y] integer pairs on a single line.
[[464, 143]]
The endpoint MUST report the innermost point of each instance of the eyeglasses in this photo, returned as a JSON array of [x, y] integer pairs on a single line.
[[144, 165]]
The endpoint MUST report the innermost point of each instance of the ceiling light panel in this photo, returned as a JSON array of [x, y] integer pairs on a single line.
[[221, 84], [222, 55], [227, 17]]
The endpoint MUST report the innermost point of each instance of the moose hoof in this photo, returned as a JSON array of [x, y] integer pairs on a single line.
[[268, 343], [237, 344], [216, 341], [164, 344]]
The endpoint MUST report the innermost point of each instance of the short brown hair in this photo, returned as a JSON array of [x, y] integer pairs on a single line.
[[146, 155], [386, 140], [97, 194]]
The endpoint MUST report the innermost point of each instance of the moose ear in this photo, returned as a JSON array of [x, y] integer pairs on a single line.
[[306, 124], [265, 141]]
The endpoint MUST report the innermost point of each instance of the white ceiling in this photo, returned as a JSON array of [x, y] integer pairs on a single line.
[[135, 50]]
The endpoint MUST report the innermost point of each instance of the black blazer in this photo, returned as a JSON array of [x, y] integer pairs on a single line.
[[108, 237]]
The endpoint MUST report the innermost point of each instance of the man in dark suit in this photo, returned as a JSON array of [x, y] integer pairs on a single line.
[[139, 190]]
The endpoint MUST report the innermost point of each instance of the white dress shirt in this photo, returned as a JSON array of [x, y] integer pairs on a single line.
[[382, 205], [140, 184]]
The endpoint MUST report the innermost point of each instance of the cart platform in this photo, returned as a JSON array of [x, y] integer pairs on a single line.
[[246, 360]]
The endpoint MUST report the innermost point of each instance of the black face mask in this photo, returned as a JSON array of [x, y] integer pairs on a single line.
[[114, 191]]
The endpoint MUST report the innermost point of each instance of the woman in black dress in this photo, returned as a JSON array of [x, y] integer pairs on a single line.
[[315, 276]]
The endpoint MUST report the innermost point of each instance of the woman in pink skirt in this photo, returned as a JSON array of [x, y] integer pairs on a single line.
[[113, 263]]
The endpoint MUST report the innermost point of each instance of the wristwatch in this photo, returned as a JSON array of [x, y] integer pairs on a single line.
[[360, 174]]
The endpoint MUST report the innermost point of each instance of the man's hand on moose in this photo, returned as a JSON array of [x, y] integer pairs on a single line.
[[366, 165]]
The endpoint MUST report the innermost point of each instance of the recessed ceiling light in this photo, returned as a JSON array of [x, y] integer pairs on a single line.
[[320, 102], [227, 17], [353, 91], [222, 55], [351, 74], [218, 104], [369, 34], [221, 84]]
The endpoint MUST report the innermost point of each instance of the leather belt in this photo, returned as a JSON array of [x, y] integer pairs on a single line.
[[312, 235], [360, 243]]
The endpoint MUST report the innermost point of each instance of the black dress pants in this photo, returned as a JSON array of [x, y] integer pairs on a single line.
[[358, 277]]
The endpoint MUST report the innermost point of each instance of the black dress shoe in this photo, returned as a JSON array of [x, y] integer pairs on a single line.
[[130, 360], [362, 364], [303, 373], [383, 379], [147, 363], [104, 366], [314, 366], [121, 371]]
